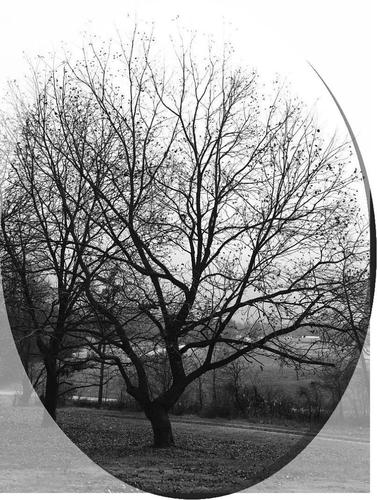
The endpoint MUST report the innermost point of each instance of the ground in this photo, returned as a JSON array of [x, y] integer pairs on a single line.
[[207, 460], [39, 459]]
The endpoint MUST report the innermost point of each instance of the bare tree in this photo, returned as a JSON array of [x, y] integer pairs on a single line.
[[206, 205], [35, 235], [235, 371], [22, 324], [25, 291]]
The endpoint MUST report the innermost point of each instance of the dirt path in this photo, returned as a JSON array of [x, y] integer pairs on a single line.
[[361, 437]]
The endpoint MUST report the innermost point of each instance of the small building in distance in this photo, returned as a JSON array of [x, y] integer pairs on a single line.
[[309, 339]]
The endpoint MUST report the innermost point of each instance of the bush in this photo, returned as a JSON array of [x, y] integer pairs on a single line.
[[213, 411], [182, 408]]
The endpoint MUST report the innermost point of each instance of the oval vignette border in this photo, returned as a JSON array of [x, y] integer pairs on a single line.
[[372, 220]]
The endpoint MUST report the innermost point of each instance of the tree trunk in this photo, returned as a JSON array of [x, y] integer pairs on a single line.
[[162, 431], [100, 386], [214, 391], [51, 392], [200, 387]]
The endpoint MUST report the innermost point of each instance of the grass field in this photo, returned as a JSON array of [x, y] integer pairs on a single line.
[[208, 460]]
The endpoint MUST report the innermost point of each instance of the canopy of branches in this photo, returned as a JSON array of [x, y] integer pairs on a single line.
[[175, 200]]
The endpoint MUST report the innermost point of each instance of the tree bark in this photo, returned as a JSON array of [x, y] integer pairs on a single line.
[[214, 391], [162, 431], [200, 387], [101, 377], [51, 392]]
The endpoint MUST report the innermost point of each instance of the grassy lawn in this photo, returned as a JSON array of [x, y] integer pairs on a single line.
[[206, 461]]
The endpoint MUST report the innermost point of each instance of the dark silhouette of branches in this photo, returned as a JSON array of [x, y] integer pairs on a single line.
[[181, 200]]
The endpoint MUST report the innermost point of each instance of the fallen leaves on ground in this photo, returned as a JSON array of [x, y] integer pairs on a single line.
[[205, 460]]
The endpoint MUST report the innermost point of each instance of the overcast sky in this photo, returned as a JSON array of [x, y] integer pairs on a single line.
[[273, 35]]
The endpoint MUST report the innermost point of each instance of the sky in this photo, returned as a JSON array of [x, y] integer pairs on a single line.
[[272, 35], [276, 36]]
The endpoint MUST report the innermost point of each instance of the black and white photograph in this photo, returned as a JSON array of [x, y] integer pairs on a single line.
[[187, 247]]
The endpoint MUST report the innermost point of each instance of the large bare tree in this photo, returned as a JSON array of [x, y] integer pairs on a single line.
[[204, 202]]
